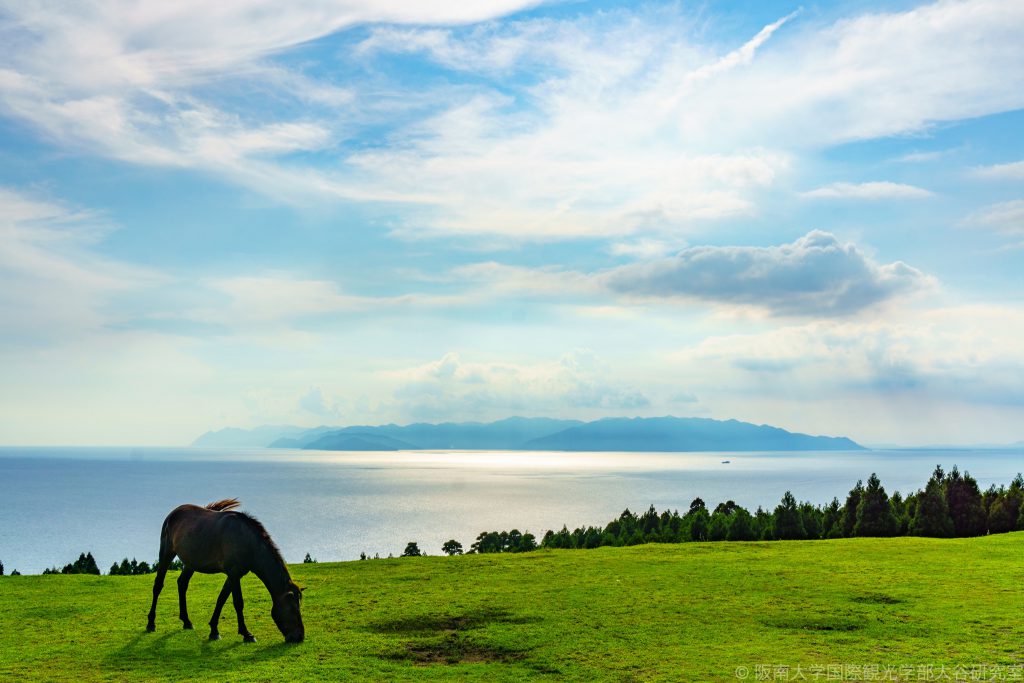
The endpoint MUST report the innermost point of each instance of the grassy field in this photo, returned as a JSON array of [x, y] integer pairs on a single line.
[[691, 612]]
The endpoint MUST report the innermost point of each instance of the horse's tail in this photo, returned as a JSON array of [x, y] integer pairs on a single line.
[[222, 505]]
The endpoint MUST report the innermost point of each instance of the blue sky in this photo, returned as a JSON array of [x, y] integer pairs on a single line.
[[804, 215]]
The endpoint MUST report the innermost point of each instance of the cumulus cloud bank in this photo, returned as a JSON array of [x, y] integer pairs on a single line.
[[815, 275]]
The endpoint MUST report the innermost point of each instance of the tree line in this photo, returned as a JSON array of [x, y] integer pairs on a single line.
[[86, 564], [950, 505]]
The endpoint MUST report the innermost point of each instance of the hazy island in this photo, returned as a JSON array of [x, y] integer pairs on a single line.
[[657, 434]]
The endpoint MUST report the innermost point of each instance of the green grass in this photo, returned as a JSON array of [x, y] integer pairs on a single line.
[[685, 612]]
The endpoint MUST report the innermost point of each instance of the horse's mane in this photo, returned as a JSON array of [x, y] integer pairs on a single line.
[[257, 528], [223, 505], [254, 525]]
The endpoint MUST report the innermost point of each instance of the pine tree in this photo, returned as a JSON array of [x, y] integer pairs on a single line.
[[762, 524], [787, 523], [850, 510], [990, 496], [1004, 512], [931, 518], [811, 517], [650, 523], [728, 507], [899, 512], [832, 520], [698, 521], [718, 529], [741, 526], [963, 498], [874, 514]]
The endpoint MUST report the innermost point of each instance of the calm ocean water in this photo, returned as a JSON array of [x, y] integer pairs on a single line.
[[58, 502]]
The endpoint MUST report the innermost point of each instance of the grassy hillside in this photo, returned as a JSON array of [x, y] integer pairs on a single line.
[[659, 612]]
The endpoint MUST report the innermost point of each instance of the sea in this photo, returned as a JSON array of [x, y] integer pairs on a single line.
[[58, 502]]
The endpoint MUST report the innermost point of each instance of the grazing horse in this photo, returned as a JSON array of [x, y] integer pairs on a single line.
[[216, 540]]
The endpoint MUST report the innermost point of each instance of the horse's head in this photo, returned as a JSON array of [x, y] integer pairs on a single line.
[[287, 615]]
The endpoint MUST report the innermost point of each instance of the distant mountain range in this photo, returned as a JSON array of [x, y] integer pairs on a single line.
[[665, 434]]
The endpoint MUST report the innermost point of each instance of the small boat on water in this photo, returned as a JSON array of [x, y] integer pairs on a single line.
[[726, 462]]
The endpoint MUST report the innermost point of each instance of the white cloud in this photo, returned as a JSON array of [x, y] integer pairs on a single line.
[[868, 191], [275, 307], [604, 124], [258, 300], [496, 279], [969, 353], [316, 403], [579, 384], [1010, 171], [681, 152], [53, 284], [1005, 217], [922, 157], [644, 248], [815, 275], [122, 83]]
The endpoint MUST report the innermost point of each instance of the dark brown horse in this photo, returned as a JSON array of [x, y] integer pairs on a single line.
[[216, 540]]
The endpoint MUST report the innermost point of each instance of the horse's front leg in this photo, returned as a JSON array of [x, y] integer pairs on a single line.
[[183, 579], [158, 585], [221, 599], [236, 593]]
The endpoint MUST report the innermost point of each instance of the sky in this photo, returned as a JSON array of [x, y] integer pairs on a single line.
[[337, 212]]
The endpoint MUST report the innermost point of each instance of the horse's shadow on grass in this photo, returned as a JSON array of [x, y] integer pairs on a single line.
[[188, 649], [427, 639]]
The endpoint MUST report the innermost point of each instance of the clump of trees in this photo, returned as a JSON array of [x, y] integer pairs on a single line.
[[503, 542], [308, 559], [451, 547], [411, 550], [132, 568], [85, 564]]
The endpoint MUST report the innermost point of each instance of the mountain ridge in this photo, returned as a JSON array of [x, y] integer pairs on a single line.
[[636, 434]]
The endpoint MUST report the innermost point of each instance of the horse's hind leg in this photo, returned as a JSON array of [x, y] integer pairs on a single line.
[[236, 592], [164, 561], [183, 579], [158, 585], [221, 599]]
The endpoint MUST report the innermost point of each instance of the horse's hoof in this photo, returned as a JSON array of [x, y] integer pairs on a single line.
[[187, 625], [150, 628], [248, 638], [214, 636]]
